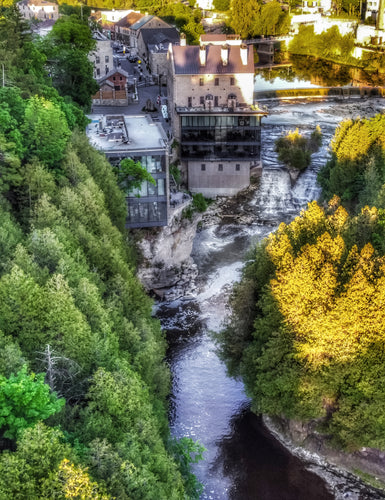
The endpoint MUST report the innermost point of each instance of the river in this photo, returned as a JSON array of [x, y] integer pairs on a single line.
[[242, 459]]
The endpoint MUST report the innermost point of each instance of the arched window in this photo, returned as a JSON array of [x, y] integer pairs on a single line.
[[209, 97]]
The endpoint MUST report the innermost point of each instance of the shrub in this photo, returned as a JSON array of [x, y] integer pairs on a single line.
[[199, 202]]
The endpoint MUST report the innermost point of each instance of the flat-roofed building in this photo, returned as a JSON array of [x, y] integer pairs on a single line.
[[143, 140], [212, 114]]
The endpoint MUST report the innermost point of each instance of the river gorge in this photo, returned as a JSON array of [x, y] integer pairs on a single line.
[[242, 459]]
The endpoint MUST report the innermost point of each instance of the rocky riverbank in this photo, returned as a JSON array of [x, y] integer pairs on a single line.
[[167, 270], [357, 476]]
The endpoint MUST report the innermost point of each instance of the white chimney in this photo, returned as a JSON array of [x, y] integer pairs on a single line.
[[182, 40], [225, 54], [243, 50], [202, 55]]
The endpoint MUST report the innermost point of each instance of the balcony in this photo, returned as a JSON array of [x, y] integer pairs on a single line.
[[210, 152], [239, 109], [220, 138]]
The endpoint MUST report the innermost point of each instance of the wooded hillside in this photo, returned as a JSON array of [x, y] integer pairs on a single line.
[[83, 410], [307, 330]]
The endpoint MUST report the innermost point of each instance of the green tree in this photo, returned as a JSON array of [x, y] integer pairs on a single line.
[[45, 131], [131, 175], [72, 32], [67, 47], [119, 410], [41, 468], [23, 62], [24, 400], [244, 16], [11, 357], [221, 5], [188, 452], [272, 20], [295, 150]]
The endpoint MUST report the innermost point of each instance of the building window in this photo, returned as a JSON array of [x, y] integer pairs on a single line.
[[97, 71], [216, 82], [201, 100], [237, 167], [220, 167], [216, 101], [107, 59], [232, 80], [97, 60], [203, 167], [189, 102], [121, 78], [201, 82]]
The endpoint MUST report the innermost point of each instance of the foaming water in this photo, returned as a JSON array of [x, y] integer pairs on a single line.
[[243, 461]]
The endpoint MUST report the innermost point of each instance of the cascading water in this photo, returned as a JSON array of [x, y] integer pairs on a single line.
[[243, 461]]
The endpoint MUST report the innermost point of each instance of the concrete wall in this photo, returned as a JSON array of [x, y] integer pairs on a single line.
[[211, 182]]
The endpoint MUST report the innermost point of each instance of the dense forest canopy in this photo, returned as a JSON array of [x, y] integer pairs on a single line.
[[83, 410], [307, 328]]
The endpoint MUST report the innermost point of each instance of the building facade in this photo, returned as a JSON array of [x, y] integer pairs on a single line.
[[38, 9], [114, 89], [153, 47], [212, 115], [141, 139], [146, 22], [102, 56]]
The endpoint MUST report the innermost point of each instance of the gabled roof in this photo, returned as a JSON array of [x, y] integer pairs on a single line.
[[160, 36], [186, 60], [141, 22], [99, 37], [111, 73], [130, 19]]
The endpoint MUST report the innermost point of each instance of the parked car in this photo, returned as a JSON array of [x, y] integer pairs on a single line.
[[133, 59]]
